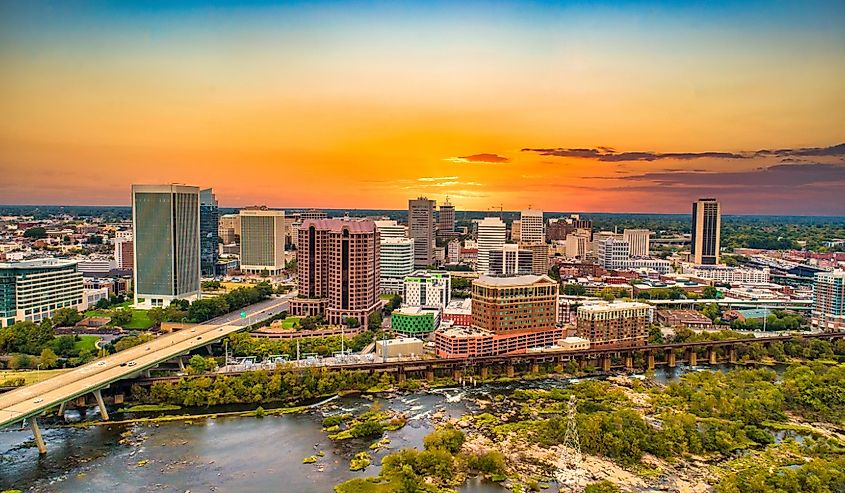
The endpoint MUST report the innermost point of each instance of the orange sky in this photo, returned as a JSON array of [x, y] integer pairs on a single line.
[[326, 108]]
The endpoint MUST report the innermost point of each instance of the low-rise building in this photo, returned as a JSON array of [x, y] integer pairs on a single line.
[[684, 318], [459, 312], [401, 347], [415, 321], [428, 288]]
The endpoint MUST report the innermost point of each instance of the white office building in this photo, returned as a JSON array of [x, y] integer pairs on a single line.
[[492, 234], [531, 227], [396, 256], [262, 242], [639, 242], [428, 288], [613, 252], [34, 289], [391, 229]]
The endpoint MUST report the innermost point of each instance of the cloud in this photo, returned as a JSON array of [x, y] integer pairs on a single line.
[[785, 176], [480, 158], [608, 154], [438, 178]]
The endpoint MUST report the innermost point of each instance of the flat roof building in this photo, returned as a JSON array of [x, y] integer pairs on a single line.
[[166, 227], [617, 324], [262, 242], [34, 289], [491, 236], [421, 230], [428, 288], [829, 300], [510, 304], [338, 267], [706, 231], [397, 262]]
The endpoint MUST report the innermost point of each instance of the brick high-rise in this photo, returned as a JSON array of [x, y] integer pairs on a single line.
[[338, 269]]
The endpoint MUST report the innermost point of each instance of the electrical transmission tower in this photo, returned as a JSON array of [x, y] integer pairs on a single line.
[[569, 473]]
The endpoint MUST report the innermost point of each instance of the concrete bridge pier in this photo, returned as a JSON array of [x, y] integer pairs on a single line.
[[605, 363], [401, 376], [712, 356], [671, 359], [484, 372], [61, 411], [36, 433], [429, 374], [181, 363], [629, 361], [104, 413], [535, 367], [732, 355], [509, 370], [693, 357], [650, 360], [457, 375]]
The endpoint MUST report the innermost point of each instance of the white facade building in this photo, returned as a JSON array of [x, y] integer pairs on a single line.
[[391, 229], [34, 289], [639, 241], [262, 241], [396, 256], [532, 227], [428, 288], [491, 236], [725, 274], [613, 252]]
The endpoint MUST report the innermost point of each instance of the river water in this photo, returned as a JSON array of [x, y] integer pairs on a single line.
[[231, 454]]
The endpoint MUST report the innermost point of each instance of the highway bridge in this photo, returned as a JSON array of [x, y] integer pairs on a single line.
[[28, 402]]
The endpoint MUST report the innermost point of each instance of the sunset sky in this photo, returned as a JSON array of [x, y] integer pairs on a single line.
[[565, 106]]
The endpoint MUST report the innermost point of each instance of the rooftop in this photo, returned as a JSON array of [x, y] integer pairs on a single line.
[[39, 263], [513, 280], [338, 225]]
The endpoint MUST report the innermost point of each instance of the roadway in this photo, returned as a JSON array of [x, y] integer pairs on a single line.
[[36, 398]]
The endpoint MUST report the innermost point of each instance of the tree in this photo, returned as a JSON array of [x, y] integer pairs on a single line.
[[66, 317], [35, 233], [710, 293], [554, 273], [48, 358], [121, 317], [197, 364], [20, 361], [102, 303], [375, 320], [26, 337], [352, 322], [264, 273]]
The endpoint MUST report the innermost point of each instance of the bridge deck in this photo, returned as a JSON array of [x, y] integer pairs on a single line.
[[33, 399]]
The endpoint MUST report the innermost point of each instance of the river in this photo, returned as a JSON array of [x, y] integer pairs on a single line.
[[231, 454]]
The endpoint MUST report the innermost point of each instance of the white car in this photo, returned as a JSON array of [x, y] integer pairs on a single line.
[[101, 363], [131, 363]]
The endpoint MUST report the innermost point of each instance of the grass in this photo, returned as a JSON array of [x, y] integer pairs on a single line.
[[30, 376], [140, 320], [288, 322], [87, 343]]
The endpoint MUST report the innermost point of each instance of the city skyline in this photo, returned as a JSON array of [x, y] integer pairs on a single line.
[[596, 106]]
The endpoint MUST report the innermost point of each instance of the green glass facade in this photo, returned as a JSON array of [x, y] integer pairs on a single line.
[[413, 324]]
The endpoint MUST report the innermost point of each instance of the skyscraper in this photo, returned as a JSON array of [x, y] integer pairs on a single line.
[[638, 239], [706, 231], [829, 300], [166, 227], [531, 227], [421, 230], [338, 268], [446, 218], [262, 241], [491, 236], [209, 223]]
